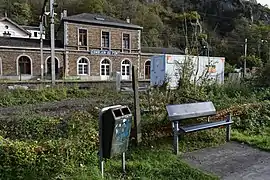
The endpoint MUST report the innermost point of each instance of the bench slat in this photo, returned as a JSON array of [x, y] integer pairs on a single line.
[[204, 126], [191, 110]]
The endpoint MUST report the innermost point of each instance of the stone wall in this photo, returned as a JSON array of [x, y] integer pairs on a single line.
[[9, 67], [95, 61], [10, 57], [94, 37]]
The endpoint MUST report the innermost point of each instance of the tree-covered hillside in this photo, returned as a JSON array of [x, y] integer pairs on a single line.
[[194, 25]]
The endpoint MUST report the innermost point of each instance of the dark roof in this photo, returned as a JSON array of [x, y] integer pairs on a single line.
[[100, 20], [25, 42], [15, 24], [31, 27], [160, 50]]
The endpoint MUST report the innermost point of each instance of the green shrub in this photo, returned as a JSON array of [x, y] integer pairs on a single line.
[[263, 76], [31, 127], [43, 147], [17, 159], [254, 120]]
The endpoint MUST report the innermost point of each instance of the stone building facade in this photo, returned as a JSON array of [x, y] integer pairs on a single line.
[[20, 59], [88, 47], [96, 46]]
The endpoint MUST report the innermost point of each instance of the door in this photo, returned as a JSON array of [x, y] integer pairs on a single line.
[[49, 67], [125, 70], [147, 69], [105, 69]]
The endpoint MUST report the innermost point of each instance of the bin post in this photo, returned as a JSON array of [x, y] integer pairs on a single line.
[[124, 162], [101, 166]]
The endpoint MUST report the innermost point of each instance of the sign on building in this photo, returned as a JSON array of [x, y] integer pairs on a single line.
[[103, 52]]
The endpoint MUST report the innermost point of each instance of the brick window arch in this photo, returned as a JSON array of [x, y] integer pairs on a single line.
[[147, 69], [24, 65], [83, 66]]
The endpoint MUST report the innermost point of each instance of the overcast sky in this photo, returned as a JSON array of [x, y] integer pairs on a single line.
[[263, 2]]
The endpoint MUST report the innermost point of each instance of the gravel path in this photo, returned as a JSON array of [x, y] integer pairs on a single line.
[[232, 161]]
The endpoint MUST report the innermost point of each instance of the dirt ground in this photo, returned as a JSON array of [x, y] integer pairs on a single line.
[[232, 161], [59, 108]]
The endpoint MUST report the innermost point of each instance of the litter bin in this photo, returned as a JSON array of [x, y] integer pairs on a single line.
[[115, 127]]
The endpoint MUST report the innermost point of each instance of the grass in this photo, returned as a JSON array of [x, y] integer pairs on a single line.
[[261, 141], [152, 161]]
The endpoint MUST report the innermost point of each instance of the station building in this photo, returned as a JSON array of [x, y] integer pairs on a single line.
[[87, 47]]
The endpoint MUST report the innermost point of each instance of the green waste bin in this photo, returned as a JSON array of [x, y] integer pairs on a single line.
[[115, 127]]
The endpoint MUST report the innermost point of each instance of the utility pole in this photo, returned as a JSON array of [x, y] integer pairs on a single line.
[[268, 51], [52, 41], [41, 49], [245, 61], [41, 20], [137, 117]]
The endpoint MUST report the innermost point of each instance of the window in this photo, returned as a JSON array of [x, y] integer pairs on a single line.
[[83, 67], [126, 41], [24, 65], [105, 39], [125, 68], [49, 66], [82, 37], [105, 67], [147, 68], [35, 34]]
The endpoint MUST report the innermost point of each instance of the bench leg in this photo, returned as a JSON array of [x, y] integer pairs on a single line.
[[228, 128], [175, 137]]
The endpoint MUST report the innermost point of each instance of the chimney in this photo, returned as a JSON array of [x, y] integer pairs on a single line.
[[128, 20]]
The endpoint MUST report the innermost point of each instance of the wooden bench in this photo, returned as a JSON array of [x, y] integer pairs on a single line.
[[180, 112]]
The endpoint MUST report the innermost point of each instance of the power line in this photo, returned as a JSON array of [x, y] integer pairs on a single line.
[[190, 38]]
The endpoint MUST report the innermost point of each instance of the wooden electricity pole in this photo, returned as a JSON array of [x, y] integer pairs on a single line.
[[137, 116]]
